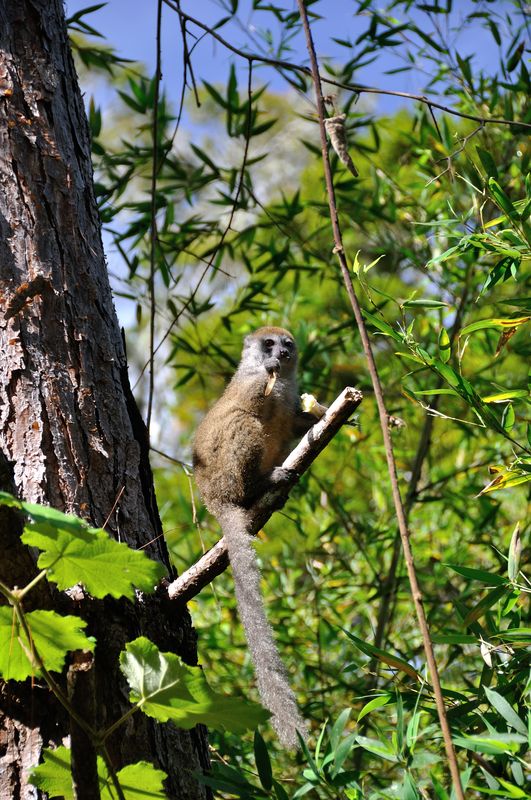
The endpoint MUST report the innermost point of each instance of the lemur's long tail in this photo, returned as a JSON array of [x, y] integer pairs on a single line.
[[275, 691]]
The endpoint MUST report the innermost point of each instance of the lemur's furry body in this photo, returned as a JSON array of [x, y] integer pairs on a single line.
[[238, 450]]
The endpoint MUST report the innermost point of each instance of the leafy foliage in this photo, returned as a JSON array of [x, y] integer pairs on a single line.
[[38, 642]]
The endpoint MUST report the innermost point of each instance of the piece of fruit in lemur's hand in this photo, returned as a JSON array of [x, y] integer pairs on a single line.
[[238, 451]]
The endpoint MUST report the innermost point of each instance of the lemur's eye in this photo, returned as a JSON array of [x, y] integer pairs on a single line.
[[269, 343], [288, 344]]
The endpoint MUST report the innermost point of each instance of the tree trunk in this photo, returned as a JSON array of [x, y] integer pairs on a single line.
[[70, 432]]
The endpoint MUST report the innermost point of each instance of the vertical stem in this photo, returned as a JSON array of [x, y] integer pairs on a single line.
[[154, 233], [391, 465], [81, 689], [389, 585]]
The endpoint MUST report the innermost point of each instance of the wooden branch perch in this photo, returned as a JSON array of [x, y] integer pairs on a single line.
[[216, 560]]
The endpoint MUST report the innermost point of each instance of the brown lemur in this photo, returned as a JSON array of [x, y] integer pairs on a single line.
[[238, 449]]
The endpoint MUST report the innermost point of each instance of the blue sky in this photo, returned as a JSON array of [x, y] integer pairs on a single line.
[[130, 26]]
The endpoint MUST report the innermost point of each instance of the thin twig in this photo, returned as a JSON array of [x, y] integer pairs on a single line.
[[112, 772], [216, 560], [360, 89], [385, 612], [154, 242], [388, 446], [225, 231]]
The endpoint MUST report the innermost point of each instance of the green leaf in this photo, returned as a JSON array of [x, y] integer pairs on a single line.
[[382, 326], [89, 556], [505, 479], [479, 575], [446, 372], [445, 348], [399, 731], [72, 552], [377, 747], [228, 780], [496, 323], [450, 392], [506, 710], [166, 689], [53, 637], [7, 499], [440, 791], [280, 792], [339, 727], [491, 744], [233, 99], [502, 199], [517, 635], [424, 302], [263, 762], [494, 30], [342, 751], [511, 394], [454, 638], [213, 92], [412, 730], [508, 417], [488, 162], [47, 519], [387, 658], [53, 775], [376, 702], [132, 103], [140, 781], [408, 790], [484, 604], [515, 552], [513, 61], [410, 357]]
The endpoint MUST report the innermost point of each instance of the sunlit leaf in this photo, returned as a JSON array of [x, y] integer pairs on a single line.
[[506, 710], [376, 702], [140, 781], [497, 324], [167, 689], [52, 635], [512, 394], [445, 347], [490, 744], [377, 747], [103, 565], [515, 552]]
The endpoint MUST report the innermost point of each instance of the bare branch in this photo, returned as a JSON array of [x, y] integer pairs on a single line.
[[213, 563]]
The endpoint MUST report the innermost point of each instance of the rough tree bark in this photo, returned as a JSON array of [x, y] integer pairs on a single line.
[[70, 432]]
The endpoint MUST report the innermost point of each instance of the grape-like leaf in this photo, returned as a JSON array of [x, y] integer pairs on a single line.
[[92, 558], [53, 775], [53, 636], [140, 781], [73, 552], [167, 689]]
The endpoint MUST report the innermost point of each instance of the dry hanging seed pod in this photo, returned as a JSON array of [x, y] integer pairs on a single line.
[[270, 383], [335, 128]]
